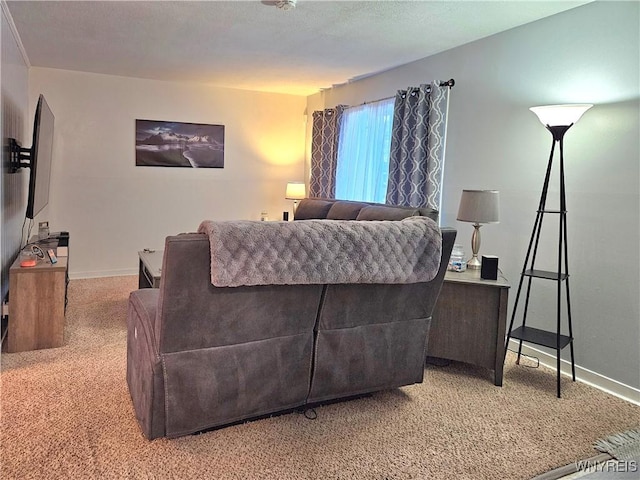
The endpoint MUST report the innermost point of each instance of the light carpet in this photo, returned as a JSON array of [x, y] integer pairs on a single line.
[[66, 413]]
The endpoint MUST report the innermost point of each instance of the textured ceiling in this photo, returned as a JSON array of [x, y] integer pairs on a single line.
[[253, 45]]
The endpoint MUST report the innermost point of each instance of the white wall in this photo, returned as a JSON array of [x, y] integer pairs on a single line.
[[13, 188], [586, 55], [112, 208]]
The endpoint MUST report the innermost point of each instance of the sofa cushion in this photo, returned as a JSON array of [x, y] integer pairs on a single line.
[[312, 208], [345, 210], [386, 212]]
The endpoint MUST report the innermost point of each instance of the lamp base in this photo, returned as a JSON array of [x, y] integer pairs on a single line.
[[474, 263]]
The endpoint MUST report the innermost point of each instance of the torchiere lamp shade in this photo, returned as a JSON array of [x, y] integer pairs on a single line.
[[560, 115]]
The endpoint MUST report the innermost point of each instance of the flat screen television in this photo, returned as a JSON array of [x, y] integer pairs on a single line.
[[40, 161]]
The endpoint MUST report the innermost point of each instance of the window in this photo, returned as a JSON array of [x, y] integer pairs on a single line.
[[362, 169]]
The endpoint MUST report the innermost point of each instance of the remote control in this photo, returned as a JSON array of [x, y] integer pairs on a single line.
[[52, 256]]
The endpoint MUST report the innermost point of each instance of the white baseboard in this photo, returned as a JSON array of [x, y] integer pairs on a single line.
[[584, 375], [103, 273]]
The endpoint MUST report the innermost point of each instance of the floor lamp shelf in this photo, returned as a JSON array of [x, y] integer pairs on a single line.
[[546, 274], [540, 337]]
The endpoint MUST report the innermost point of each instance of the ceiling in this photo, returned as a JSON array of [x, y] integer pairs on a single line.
[[254, 45]]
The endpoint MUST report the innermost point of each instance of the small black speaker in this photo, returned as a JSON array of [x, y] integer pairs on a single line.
[[489, 268], [63, 239], [285, 216]]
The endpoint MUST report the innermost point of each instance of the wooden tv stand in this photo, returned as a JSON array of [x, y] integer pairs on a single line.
[[37, 298]]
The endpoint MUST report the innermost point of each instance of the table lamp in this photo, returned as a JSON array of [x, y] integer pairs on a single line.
[[295, 191], [478, 207]]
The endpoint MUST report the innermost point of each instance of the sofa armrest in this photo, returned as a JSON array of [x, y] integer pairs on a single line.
[[448, 239]]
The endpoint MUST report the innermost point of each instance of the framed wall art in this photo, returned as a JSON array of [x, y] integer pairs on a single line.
[[177, 144]]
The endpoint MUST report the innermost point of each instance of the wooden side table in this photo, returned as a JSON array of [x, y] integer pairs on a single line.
[[469, 321], [37, 297]]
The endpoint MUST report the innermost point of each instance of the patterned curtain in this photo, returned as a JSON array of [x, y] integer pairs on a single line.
[[324, 151], [418, 146]]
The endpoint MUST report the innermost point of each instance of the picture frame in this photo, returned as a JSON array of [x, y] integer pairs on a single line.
[[179, 144]]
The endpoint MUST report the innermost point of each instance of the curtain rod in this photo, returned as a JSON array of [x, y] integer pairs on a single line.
[[442, 83]]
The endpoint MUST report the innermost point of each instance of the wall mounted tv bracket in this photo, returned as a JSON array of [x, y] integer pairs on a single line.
[[19, 157]]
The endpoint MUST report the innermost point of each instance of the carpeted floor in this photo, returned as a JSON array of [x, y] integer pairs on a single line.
[[66, 413]]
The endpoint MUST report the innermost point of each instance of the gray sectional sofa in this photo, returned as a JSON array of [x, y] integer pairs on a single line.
[[201, 355], [331, 209]]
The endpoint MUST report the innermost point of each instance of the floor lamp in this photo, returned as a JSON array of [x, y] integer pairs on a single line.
[[557, 119]]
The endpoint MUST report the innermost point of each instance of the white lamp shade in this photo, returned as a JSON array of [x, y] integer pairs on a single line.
[[295, 191], [479, 206], [560, 115]]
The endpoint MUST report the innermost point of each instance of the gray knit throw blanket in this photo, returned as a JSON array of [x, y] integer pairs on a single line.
[[323, 251]]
